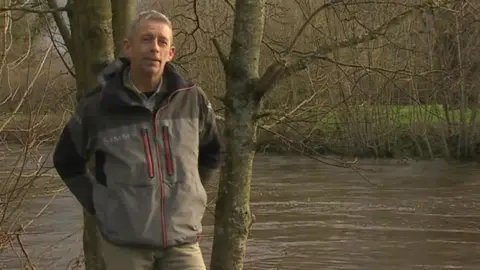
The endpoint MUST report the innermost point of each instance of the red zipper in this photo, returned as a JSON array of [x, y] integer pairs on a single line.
[[162, 184], [160, 173], [148, 153], [168, 150]]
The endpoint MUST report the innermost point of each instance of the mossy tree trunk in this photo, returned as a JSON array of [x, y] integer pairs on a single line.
[[245, 91], [232, 213], [91, 45], [123, 13]]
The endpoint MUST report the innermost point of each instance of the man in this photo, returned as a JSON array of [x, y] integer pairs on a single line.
[[155, 143]]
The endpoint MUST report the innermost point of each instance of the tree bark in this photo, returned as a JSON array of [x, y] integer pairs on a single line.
[[91, 26], [123, 13], [232, 212], [91, 45], [4, 24]]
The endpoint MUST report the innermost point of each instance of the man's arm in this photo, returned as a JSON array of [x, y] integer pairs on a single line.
[[210, 152], [71, 155]]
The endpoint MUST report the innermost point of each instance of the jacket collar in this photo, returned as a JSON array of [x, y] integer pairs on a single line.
[[115, 94]]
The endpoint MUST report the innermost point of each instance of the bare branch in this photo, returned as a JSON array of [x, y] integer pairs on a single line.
[[35, 10], [284, 68], [221, 54], [315, 155], [269, 78], [230, 5], [294, 110], [62, 58], [368, 36], [24, 250], [62, 25], [307, 22]]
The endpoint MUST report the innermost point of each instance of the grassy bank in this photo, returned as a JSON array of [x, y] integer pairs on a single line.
[[425, 131]]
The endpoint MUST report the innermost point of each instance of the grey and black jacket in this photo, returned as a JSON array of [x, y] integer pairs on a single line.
[[146, 189]]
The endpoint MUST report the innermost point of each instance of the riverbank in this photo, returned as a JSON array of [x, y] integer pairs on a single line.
[[381, 131], [421, 132], [402, 144]]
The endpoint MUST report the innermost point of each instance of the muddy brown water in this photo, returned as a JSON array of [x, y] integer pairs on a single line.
[[423, 215]]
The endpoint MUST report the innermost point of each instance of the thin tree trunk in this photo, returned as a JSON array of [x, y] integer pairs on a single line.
[[123, 13], [4, 27], [91, 27], [232, 213], [91, 45]]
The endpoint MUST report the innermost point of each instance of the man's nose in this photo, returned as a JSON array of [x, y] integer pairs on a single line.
[[155, 47]]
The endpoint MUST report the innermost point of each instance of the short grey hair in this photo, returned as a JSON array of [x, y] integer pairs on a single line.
[[149, 15]]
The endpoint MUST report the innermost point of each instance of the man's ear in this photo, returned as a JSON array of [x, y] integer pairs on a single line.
[[172, 53], [127, 47]]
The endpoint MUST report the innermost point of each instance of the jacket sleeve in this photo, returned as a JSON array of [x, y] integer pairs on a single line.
[[71, 155], [210, 149]]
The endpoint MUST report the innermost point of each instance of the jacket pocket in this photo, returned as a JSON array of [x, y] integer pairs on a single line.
[[148, 152], [168, 150]]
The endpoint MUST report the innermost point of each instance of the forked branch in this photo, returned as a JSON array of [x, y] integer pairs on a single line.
[[223, 57], [284, 68], [61, 24], [306, 59], [308, 21]]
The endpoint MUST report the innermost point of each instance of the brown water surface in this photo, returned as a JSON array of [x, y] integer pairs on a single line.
[[423, 215]]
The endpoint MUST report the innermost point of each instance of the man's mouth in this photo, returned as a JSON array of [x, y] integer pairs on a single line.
[[153, 60]]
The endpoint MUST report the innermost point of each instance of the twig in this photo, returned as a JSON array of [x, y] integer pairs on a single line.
[[230, 5], [34, 10], [29, 88], [307, 22], [346, 164], [62, 25], [62, 58], [293, 111], [221, 54], [22, 247]]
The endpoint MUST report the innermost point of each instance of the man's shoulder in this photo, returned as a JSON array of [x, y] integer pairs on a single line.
[[92, 95], [90, 101], [204, 100], [203, 95], [198, 88], [94, 92]]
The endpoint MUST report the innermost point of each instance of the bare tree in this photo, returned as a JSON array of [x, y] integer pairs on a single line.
[[28, 85], [359, 76], [243, 100]]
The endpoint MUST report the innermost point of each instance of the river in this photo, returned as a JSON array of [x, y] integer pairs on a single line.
[[418, 215]]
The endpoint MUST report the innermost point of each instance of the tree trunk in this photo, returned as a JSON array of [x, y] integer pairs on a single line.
[[91, 27], [90, 44], [232, 212], [123, 13], [4, 25]]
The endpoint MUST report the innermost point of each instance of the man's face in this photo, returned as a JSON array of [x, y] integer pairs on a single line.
[[150, 47]]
